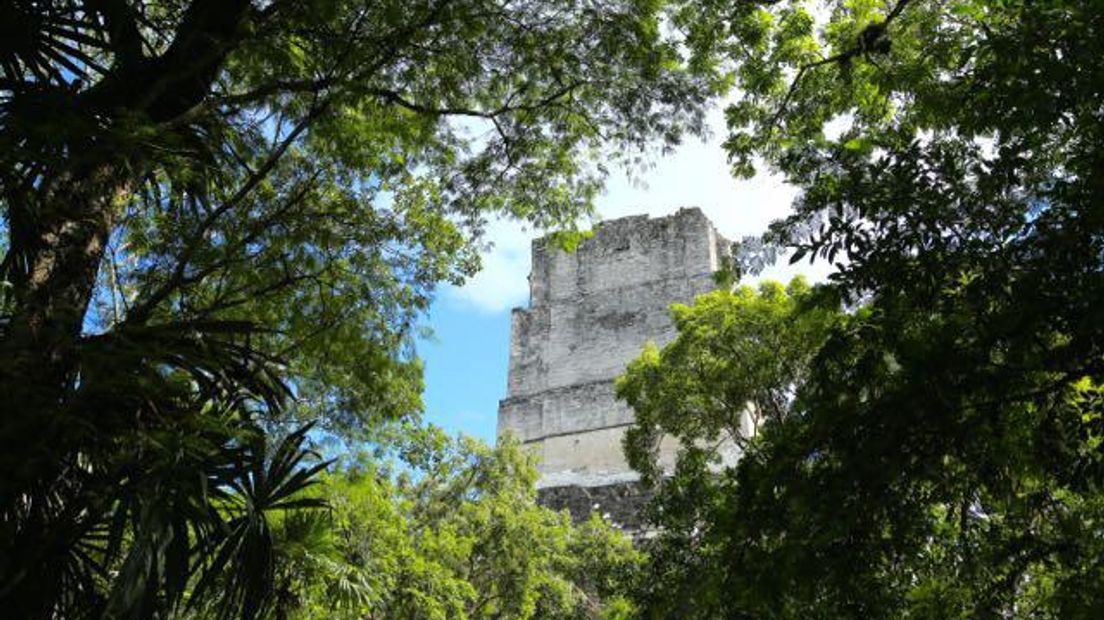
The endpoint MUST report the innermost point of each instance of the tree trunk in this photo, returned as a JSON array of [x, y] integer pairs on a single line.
[[58, 242], [61, 224]]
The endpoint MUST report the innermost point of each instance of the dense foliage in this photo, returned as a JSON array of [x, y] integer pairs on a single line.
[[450, 531], [735, 366], [943, 452], [723, 387], [223, 217]]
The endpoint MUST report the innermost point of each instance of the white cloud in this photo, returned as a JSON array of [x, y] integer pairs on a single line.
[[695, 175], [503, 281]]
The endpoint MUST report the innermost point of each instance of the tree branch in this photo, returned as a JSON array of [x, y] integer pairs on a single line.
[[142, 312], [179, 79], [122, 30], [861, 46], [400, 100]]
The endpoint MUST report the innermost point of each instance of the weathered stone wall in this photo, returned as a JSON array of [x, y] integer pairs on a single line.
[[622, 503], [590, 313]]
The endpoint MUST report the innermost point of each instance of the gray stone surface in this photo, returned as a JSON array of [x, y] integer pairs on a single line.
[[590, 313], [622, 503]]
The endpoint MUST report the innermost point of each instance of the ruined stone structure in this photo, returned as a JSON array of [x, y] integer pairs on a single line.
[[590, 313]]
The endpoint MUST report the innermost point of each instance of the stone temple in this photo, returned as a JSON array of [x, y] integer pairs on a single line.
[[590, 313]]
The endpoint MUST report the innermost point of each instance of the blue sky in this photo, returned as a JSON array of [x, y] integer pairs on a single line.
[[465, 369], [466, 360]]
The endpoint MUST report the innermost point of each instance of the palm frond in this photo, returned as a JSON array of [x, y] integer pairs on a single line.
[[241, 565]]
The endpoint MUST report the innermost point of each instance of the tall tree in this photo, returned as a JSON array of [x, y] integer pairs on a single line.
[[723, 387], [210, 206], [942, 457]]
